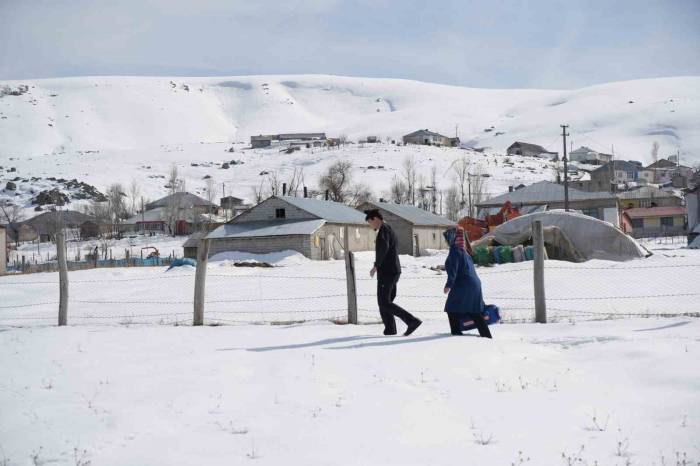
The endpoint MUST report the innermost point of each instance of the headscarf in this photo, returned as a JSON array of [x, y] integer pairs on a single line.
[[455, 236]]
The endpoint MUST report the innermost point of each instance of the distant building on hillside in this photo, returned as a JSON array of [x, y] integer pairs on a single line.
[[609, 177], [289, 139], [530, 150], [589, 156], [647, 196], [664, 172], [426, 137]]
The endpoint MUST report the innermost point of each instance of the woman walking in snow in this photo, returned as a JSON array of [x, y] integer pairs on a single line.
[[463, 287]]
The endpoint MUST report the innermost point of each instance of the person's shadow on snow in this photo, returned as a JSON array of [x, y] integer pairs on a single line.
[[364, 341]]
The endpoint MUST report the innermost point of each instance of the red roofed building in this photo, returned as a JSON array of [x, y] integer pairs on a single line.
[[641, 222]]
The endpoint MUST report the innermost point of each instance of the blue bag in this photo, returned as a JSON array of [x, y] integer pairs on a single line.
[[492, 315]]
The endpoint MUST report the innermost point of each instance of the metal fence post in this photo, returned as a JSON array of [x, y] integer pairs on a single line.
[[350, 278], [538, 246], [62, 278], [199, 280]]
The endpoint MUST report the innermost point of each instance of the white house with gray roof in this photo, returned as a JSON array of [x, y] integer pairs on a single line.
[[416, 229], [313, 227]]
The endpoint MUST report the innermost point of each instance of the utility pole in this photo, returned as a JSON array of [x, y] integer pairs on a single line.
[[564, 134], [223, 191]]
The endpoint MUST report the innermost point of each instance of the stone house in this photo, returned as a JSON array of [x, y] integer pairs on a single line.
[[664, 171], [289, 139], [312, 227], [416, 229]]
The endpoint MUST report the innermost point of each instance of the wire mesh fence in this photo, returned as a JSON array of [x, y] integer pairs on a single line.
[[659, 286]]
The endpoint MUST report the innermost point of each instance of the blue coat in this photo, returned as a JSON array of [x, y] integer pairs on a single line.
[[465, 287]]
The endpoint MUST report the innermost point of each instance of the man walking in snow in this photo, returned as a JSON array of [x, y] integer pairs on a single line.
[[388, 270]]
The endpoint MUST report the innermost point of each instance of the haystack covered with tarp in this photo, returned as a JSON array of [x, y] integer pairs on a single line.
[[568, 236]]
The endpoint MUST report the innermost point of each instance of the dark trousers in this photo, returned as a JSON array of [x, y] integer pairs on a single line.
[[479, 321], [386, 293]]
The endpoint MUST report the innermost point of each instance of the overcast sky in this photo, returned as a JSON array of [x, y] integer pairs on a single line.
[[489, 43]]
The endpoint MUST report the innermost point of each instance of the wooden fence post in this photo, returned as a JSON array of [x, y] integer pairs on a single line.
[[199, 280], [350, 278], [62, 278], [538, 246]]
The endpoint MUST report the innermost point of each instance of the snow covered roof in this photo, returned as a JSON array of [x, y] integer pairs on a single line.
[[184, 200], [159, 214], [333, 212], [413, 214], [642, 212], [48, 221], [543, 192], [266, 228], [424, 132]]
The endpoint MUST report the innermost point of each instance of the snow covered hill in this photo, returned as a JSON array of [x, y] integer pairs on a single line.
[[105, 129]]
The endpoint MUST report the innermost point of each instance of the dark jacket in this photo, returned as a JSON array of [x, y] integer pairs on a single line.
[[465, 287], [386, 256]]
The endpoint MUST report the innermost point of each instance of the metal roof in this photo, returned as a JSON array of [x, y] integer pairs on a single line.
[[641, 212], [266, 228], [413, 214], [159, 214], [333, 212], [645, 192], [544, 192], [425, 132]]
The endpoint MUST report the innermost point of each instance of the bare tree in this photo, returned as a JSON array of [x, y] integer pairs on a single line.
[[258, 193], [134, 196], [477, 191], [211, 193], [174, 207], [398, 190], [336, 180], [461, 170], [12, 216], [274, 183], [359, 194], [655, 151], [295, 182], [116, 205], [409, 175], [433, 189], [452, 203]]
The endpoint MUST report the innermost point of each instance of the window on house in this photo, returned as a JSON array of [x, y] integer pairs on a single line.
[[666, 221], [637, 223], [280, 213], [590, 212]]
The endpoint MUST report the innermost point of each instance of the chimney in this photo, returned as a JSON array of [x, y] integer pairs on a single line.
[[326, 194], [510, 189], [284, 189], [306, 193]]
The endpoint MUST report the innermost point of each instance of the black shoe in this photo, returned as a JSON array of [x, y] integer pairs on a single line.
[[388, 333], [412, 327]]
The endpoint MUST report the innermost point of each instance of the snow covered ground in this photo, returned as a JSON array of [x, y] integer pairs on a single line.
[[607, 392], [600, 385]]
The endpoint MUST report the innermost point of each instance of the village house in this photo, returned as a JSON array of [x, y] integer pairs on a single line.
[[426, 137], [665, 171], [416, 229], [609, 177], [312, 227], [546, 195], [176, 214], [589, 156], [647, 196], [530, 150], [45, 225], [233, 206], [289, 139], [644, 222]]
